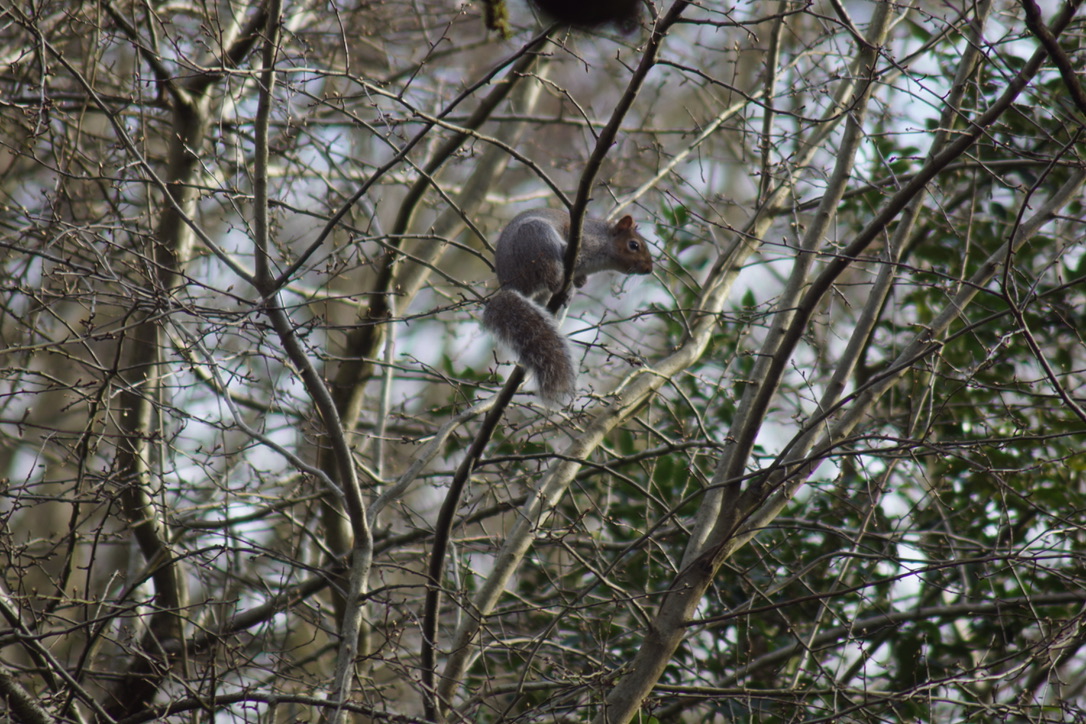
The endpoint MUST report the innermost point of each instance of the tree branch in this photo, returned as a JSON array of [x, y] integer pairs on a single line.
[[1048, 41]]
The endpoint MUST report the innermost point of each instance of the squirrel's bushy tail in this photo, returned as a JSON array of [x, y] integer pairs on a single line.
[[532, 334]]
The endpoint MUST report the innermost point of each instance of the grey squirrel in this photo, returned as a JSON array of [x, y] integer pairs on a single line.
[[529, 261]]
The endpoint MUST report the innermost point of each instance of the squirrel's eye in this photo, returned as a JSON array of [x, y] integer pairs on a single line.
[[634, 246]]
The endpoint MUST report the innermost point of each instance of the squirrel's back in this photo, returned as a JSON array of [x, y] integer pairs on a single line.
[[530, 253]]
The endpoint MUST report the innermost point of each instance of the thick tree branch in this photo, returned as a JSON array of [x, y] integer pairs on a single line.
[[1048, 41], [22, 705]]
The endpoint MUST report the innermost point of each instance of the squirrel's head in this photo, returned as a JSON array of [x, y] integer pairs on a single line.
[[631, 247]]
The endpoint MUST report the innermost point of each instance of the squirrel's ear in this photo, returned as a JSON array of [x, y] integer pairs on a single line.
[[626, 223]]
